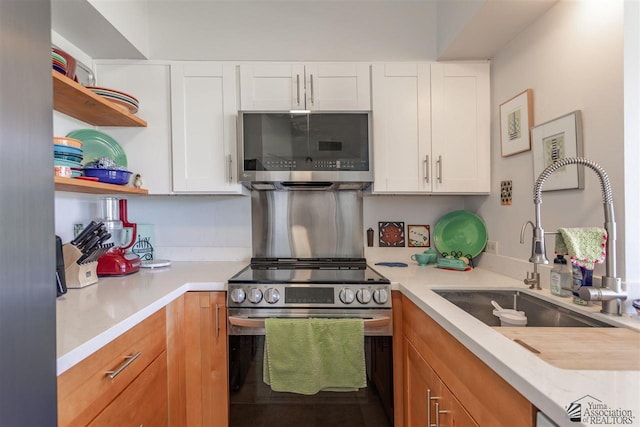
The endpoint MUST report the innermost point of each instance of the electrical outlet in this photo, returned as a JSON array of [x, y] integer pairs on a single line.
[[492, 247], [77, 229]]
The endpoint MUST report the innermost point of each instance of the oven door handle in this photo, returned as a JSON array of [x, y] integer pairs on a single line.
[[245, 322]]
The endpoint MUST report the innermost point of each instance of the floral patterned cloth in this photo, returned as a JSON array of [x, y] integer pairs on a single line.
[[585, 246]]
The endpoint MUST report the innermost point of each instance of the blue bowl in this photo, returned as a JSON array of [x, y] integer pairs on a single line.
[[110, 176], [65, 149]]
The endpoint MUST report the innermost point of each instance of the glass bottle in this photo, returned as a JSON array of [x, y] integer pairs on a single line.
[[561, 277]]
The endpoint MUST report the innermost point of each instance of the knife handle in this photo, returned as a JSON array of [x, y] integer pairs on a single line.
[[84, 234]]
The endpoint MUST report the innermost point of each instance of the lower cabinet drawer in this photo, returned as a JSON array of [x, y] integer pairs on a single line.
[[142, 403], [87, 389]]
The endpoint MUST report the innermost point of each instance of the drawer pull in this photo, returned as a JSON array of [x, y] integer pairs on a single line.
[[128, 360]]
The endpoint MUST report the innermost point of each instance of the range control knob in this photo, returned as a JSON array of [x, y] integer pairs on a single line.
[[238, 295], [255, 295], [272, 296], [381, 296], [347, 296], [364, 295]]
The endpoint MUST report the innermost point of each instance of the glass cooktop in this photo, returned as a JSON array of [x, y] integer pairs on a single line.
[[309, 271]]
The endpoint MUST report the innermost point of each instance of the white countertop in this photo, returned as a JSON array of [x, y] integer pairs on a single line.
[[89, 318], [549, 388]]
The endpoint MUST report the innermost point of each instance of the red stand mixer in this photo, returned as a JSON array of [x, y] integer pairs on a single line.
[[117, 262]]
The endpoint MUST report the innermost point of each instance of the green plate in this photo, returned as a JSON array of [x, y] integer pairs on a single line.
[[96, 144], [461, 231]]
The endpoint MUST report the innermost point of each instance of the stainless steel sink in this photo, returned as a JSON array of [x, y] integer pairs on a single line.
[[539, 313]]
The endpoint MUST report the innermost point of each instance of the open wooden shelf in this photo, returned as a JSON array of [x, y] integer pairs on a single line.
[[75, 100], [93, 187]]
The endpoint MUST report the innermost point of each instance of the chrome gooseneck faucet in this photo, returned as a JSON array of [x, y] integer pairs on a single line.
[[611, 293]]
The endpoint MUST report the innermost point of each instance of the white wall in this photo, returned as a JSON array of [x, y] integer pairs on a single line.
[[572, 59], [632, 138], [292, 30]]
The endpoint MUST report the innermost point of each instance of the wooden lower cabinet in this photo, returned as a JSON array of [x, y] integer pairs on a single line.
[[142, 403], [206, 372], [123, 383], [428, 401], [465, 390]]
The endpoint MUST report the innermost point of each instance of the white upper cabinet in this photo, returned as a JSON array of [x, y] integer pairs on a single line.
[[204, 111], [431, 128], [305, 86], [401, 127], [148, 148], [460, 126]]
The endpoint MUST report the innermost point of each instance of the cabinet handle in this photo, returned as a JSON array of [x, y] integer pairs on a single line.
[[217, 321], [128, 360], [311, 84], [426, 168], [297, 90], [438, 412], [428, 407], [429, 399], [230, 169], [439, 162]]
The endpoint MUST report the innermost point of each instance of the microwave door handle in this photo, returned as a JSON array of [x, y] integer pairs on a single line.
[[246, 322]]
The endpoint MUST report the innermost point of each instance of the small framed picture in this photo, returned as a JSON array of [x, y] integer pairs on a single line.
[[516, 118], [418, 236], [554, 140], [391, 234]]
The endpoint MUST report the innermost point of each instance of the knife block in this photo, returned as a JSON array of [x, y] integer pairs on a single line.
[[78, 275]]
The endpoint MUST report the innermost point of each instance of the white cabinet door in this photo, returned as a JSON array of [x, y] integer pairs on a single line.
[[314, 86], [271, 87], [203, 106], [401, 128], [148, 148], [460, 120], [337, 86]]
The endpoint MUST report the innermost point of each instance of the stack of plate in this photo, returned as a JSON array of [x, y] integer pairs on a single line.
[[121, 99], [59, 63], [67, 157]]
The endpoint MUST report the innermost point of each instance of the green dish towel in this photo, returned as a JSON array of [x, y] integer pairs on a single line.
[[586, 246], [308, 355]]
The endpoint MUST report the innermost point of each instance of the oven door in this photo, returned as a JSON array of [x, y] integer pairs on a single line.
[[253, 403]]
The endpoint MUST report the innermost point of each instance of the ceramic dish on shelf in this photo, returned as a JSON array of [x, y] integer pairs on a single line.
[[110, 176], [117, 97], [460, 231], [66, 149], [98, 144], [59, 140]]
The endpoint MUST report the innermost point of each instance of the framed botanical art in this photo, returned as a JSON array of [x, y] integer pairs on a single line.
[[418, 236], [391, 234], [554, 140], [516, 118]]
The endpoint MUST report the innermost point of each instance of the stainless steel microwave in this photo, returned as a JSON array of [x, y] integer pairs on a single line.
[[308, 147]]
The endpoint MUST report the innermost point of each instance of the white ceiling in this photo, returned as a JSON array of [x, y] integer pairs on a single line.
[[293, 30]]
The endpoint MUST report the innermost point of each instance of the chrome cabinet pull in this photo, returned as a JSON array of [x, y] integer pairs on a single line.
[[217, 320], [438, 412], [311, 84], [230, 169], [439, 162], [428, 407], [297, 90], [426, 168], [127, 362], [437, 424]]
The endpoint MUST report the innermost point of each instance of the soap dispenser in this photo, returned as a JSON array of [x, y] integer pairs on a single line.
[[561, 277]]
